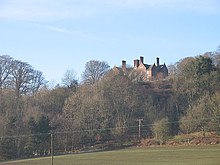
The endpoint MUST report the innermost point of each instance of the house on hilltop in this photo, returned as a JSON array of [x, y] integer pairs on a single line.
[[143, 72]]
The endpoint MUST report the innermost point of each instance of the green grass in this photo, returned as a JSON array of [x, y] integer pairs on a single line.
[[184, 155]]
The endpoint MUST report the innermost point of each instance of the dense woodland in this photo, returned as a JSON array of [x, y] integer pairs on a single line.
[[104, 106]]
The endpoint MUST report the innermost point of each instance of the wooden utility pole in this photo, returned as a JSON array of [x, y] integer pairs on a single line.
[[139, 127], [51, 147]]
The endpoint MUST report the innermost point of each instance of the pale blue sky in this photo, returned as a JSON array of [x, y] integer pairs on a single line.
[[56, 35]]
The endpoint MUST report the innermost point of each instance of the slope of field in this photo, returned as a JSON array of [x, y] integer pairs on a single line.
[[187, 155]]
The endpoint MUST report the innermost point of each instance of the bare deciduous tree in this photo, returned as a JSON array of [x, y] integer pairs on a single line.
[[94, 71], [37, 81], [69, 80], [5, 69], [24, 79]]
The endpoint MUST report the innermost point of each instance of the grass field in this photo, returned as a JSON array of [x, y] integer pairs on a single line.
[[184, 155]]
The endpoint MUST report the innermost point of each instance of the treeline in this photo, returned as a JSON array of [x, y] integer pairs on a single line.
[[104, 106]]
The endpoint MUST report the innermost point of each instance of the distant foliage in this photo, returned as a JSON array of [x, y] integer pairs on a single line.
[[94, 71], [105, 106], [69, 80], [161, 130], [19, 76]]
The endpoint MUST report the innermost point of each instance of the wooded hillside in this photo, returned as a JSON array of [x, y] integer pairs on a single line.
[[106, 108]]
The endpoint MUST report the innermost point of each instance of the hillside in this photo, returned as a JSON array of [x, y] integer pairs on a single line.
[[112, 108]]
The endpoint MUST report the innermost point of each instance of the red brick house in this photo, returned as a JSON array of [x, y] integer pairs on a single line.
[[144, 72]]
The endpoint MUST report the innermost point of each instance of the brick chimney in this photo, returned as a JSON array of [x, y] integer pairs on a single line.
[[123, 65], [136, 63], [142, 59], [158, 61]]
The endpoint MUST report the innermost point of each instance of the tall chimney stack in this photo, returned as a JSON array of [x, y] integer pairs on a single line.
[[142, 59], [123, 65], [158, 61], [136, 63]]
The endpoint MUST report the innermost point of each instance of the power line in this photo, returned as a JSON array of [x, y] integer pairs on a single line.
[[25, 135], [103, 129]]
